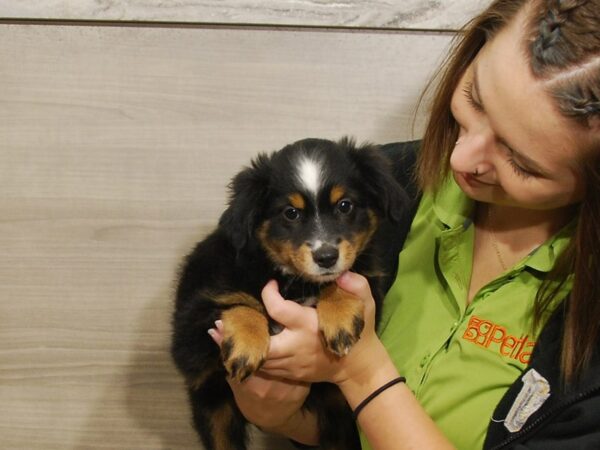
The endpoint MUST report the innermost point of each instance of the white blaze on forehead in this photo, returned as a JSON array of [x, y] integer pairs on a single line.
[[310, 174]]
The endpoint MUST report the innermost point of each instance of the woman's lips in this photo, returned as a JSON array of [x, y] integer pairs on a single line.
[[472, 180]]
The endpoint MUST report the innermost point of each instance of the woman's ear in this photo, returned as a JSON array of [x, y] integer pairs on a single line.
[[248, 195]]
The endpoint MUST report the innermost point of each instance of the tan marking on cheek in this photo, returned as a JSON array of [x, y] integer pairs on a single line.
[[336, 194], [373, 224], [348, 252], [302, 258], [263, 230], [373, 220], [350, 249], [298, 260], [297, 201], [280, 252], [272, 247]]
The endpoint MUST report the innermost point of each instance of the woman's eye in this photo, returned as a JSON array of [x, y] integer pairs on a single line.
[[468, 92], [520, 171], [345, 206], [292, 214]]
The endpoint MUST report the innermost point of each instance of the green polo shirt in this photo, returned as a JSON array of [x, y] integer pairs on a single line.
[[459, 360]]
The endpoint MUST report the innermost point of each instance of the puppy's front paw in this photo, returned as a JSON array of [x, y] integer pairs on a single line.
[[341, 319], [245, 341]]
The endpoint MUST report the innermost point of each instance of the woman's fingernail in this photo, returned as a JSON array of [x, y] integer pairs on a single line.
[[212, 333], [219, 324]]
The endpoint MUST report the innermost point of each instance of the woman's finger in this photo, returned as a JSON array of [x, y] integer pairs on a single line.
[[355, 284], [217, 333], [280, 346], [286, 312], [279, 363], [279, 372]]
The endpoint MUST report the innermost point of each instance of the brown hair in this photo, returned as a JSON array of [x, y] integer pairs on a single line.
[[563, 47]]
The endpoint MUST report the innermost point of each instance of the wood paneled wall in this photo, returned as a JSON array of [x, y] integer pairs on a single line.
[[116, 146]]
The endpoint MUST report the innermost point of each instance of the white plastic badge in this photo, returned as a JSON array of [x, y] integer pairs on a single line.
[[534, 393]]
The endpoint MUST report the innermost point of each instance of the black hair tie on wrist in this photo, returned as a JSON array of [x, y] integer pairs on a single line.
[[375, 393]]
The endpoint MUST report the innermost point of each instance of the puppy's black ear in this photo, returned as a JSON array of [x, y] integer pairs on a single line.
[[378, 180], [248, 194]]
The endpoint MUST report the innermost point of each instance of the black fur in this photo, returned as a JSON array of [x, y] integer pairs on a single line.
[[234, 260]]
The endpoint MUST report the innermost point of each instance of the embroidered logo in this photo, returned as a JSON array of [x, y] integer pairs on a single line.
[[495, 337], [532, 396]]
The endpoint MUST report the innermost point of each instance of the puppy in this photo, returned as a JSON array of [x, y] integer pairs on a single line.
[[302, 216]]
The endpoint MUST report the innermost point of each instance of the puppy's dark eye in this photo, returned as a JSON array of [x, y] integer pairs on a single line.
[[292, 214], [345, 206]]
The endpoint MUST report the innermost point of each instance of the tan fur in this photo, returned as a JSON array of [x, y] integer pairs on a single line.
[[297, 201], [336, 194], [349, 249], [239, 298], [245, 341], [283, 253], [340, 318], [219, 423]]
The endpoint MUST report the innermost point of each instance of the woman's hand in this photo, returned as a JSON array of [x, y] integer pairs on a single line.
[[298, 352], [270, 403]]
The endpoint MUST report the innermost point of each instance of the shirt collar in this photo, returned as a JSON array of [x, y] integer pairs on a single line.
[[544, 257], [453, 208]]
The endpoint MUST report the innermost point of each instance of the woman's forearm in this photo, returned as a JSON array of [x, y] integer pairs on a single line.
[[393, 420], [302, 427]]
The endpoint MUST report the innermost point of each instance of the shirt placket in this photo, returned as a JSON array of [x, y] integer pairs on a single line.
[[454, 262]]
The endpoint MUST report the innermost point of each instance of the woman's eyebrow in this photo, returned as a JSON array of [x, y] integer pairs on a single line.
[[529, 163]]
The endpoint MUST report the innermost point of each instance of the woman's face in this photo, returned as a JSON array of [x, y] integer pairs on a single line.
[[525, 152]]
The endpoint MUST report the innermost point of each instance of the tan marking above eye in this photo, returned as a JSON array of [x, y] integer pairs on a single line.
[[336, 194], [297, 201]]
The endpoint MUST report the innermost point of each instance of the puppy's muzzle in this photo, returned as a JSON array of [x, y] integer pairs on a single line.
[[326, 256]]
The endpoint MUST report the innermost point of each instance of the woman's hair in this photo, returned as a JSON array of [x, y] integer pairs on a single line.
[[563, 48]]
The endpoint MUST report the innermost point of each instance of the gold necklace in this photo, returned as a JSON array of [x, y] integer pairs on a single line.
[[494, 240]]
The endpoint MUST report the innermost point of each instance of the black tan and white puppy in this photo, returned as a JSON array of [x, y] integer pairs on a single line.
[[302, 216]]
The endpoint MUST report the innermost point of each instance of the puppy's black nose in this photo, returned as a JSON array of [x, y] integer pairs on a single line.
[[326, 256]]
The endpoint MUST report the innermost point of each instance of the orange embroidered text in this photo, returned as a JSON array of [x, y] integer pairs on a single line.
[[495, 337]]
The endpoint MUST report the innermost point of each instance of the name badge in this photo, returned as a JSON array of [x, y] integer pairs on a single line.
[[534, 393]]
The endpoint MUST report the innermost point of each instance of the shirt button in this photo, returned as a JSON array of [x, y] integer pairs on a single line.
[[424, 360]]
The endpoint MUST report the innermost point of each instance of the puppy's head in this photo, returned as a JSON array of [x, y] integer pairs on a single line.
[[313, 206]]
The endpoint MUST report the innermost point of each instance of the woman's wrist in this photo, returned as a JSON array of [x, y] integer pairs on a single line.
[[301, 427], [383, 424], [372, 369]]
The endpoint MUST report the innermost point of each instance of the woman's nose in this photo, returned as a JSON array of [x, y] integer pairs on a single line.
[[472, 154]]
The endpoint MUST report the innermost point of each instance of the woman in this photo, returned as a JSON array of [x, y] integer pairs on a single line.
[[505, 237]]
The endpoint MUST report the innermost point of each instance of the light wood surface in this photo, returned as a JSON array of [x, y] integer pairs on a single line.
[[116, 145], [413, 14]]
